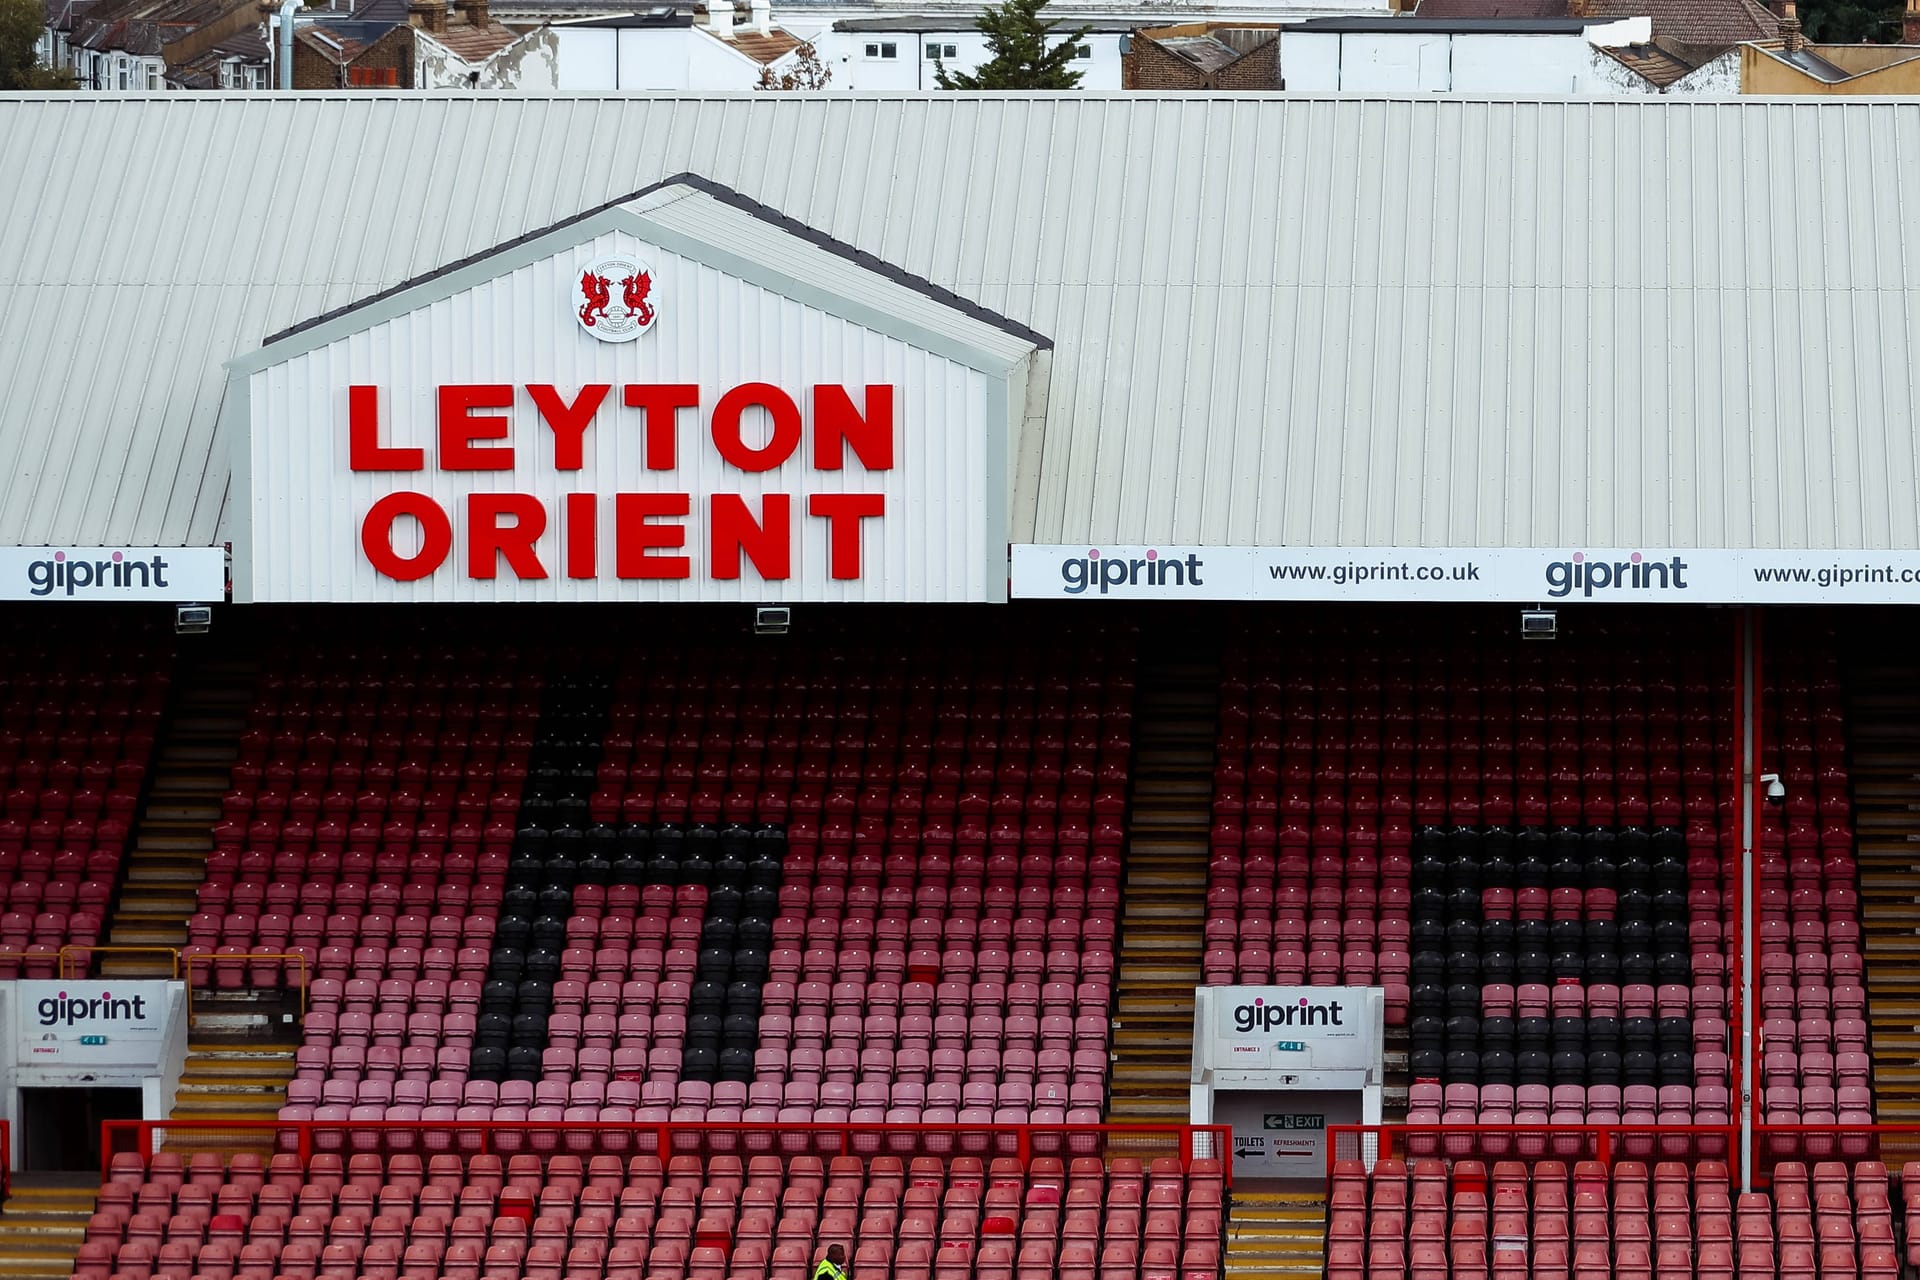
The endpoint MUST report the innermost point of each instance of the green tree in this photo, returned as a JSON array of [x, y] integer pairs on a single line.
[[1851, 21], [21, 23], [1023, 52]]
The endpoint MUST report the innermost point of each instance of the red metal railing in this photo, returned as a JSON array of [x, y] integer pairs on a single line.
[[1187, 1143], [1528, 1143], [6, 1159], [1892, 1144]]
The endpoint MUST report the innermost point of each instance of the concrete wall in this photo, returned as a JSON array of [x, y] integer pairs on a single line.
[[1432, 62], [1762, 74], [1442, 62], [605, 59]]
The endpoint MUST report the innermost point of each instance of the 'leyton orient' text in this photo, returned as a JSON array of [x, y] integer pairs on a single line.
[[753, 428]]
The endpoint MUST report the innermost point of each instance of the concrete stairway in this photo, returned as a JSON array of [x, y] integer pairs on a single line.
[[42, 1224], [1884, 729], [1166, 887], [169, 858], [1276, 1235], [234, 1081]]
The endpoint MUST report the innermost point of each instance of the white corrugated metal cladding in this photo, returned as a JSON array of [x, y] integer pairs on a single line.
[[1278, 321]]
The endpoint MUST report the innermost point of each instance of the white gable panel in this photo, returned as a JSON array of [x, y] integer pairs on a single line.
[[941, 535]]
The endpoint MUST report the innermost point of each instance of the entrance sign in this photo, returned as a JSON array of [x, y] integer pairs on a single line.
[[1280, 1064], [1498, 575], [1291, 1031], [85, 1022]]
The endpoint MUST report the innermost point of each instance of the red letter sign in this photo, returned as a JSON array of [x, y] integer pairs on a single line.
[[838, 425], [583, 532], [376, 536], [634, 539], [364, 450], [569, 421], [767, 542], [844, 512], [488, 541], [459, 428], [659, 402], [786, 426]]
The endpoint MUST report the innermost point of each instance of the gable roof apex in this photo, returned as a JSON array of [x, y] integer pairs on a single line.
[[662, 194]]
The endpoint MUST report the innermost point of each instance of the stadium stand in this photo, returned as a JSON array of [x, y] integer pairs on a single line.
[[829, 885], [1528, 848], [633, 964], [79, 711]]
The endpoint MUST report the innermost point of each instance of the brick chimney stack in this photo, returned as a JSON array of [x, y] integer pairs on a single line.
[[1910, 23], [429, 16], [1790, 31], [476, 11]]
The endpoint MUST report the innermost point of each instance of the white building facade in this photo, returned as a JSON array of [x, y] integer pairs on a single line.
[[1492, 55], [907, 53]]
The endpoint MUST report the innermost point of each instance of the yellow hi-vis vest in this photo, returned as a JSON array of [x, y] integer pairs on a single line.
[[824, 1270]]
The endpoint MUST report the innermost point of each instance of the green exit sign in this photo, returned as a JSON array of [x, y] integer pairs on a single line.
[[93, 1039], [1291, 1046]]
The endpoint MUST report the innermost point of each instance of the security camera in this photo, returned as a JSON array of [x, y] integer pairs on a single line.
[[1776, 790], [772, 621], [192, 619], [1539, 624]]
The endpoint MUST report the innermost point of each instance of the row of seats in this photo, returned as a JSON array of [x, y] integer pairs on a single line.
[[1446, 1220], [764, 1218]]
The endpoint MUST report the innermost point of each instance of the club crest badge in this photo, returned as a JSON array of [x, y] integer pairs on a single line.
[[614, 300]]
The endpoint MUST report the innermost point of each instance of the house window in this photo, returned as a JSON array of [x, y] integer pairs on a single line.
[[883, 49], [935, 50], [1084, 51], [153, 77]]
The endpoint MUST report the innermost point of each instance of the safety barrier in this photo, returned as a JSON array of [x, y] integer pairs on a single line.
[[6, 1159], [214, 960], [1529, 1143], [1891, 1144], [85, 954], [305, 1139]]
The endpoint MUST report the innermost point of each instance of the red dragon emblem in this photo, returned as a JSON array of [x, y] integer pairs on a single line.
[[633, 291], [611, 316], [597, 294]]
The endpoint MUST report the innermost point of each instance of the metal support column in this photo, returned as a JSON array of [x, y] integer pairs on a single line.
[[1749, 721]]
